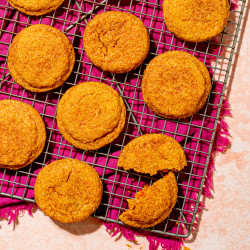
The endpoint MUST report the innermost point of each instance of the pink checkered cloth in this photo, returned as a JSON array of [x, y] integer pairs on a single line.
[[195, 149]]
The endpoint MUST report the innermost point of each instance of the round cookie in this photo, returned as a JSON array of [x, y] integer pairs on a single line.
[[90, 115], [68, 190], [195, 20], [115, 41], [22, 134], [153, 204], [34, 7], [41, 58], [150, 153], [175, 85]]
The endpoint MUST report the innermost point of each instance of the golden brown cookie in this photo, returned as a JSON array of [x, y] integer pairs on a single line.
[[90, 115], [68, 190], [152, 152], [41, 58], [175, 85], [115, 41], [34, 7], [22, 134], [153, 204], [196, 20]]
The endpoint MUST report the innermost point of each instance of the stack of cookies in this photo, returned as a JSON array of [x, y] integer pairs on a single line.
[[91, 115]]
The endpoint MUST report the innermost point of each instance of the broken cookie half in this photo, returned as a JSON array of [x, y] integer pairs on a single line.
[[151, 153], [152, 204]]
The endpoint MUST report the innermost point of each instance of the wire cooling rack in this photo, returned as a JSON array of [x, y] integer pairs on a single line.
[[196, 133]]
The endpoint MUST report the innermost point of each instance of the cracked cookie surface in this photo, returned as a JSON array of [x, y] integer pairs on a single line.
[[196, 20], [41, 58], [68, 190], [34, 7], [90, 115], [175, 85], [152, 152], [115, 41], [22, 134], [152, 204]]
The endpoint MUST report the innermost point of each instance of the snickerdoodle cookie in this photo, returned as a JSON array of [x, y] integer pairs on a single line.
[[115, 41], [22, 134], [196, 20], [150, 153], [175, 85], [41, 58], [152, 204], [34, 7], [68, 190], [90, 115]]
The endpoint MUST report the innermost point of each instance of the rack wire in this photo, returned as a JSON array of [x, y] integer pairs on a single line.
[[196, 133]]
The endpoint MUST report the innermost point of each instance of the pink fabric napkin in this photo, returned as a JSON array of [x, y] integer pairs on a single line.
[[194, 133]]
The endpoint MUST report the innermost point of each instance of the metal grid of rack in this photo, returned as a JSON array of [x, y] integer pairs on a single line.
[[194, 133]]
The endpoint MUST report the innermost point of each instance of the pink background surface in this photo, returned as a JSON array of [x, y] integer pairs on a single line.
[[224, 224]]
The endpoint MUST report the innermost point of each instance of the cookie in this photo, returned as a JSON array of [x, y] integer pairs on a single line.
[[152, 204], [34, 7], [41, 58], [68, 190], [90, 115], [150, 153], [196, 20], [22, 134], [175, 85], [115, 41]]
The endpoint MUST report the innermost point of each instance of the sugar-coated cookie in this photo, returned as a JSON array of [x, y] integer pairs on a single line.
[[41, 58], [150, 153], [34, 7], [68, 190], [175, 85], [22, 134], [196, 20], [90, 115], [152, 204], [116, 41]]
